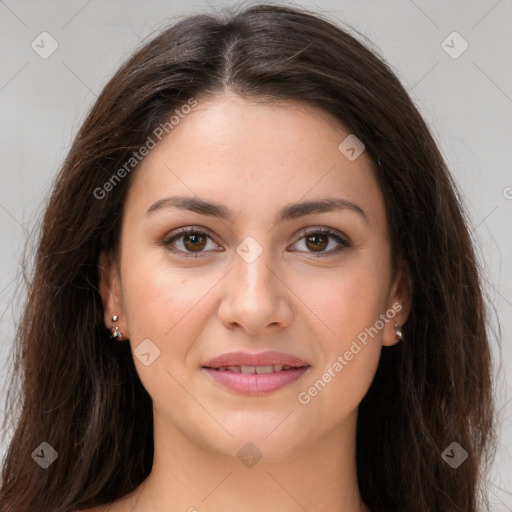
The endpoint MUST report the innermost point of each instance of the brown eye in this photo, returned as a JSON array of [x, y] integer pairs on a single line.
[[317, 242], [318, 239], [194, 242], [190, 242]]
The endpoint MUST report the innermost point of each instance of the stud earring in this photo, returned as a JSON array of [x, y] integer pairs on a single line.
[[114, 331], [398, 332]]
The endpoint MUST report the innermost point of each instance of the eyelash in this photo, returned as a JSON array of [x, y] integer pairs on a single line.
[[344, 242]]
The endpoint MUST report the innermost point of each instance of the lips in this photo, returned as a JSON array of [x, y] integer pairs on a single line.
[[270, 368], [258, 360], [255, 374]]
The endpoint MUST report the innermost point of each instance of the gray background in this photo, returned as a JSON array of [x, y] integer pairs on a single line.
[[466, 100]]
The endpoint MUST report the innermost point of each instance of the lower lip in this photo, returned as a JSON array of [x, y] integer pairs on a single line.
[[254, 383]]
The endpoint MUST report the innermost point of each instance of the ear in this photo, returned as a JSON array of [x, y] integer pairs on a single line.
[[110, 291], [399, 304]]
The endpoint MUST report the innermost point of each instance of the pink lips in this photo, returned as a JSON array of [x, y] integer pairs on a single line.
[[258, 359], [256, 374]]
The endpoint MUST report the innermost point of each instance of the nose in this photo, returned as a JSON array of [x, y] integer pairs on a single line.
[[255, 297]]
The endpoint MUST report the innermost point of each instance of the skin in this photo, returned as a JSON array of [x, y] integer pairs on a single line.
[[254, 159]]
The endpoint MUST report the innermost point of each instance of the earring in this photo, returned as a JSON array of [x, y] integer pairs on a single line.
[[398, 332], [115, 332]]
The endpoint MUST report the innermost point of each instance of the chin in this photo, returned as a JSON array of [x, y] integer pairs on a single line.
[[272, 439]]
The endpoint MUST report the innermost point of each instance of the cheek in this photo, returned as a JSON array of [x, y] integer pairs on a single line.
[[349, 305], [347, 301], [162, 303]]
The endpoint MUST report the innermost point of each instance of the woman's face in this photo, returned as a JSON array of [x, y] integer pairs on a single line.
[[254, 277]]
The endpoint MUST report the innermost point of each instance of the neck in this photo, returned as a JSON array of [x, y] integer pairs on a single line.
[[188, 476]]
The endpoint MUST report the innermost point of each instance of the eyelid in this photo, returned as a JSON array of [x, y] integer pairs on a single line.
[[324, 230]]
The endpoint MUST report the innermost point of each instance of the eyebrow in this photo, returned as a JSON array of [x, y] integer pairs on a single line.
[[288, 212]]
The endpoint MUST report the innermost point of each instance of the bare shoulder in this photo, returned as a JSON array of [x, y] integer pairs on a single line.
[[121, 506], [102, 508], [124, 504]]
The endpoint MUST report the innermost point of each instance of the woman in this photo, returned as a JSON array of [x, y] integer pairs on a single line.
[[255, 289]]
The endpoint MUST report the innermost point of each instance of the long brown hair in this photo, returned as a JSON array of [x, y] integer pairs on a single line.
[[82, 395]]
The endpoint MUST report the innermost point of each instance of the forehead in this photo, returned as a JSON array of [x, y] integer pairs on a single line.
[[255, 157]]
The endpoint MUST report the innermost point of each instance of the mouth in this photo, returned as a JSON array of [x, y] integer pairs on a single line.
[[260, 370], [258, 360], [255, 374]]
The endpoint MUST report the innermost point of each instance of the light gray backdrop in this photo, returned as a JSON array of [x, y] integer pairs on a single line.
[[56, 57]]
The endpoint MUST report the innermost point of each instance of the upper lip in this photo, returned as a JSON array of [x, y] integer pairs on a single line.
[[254, 359]]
